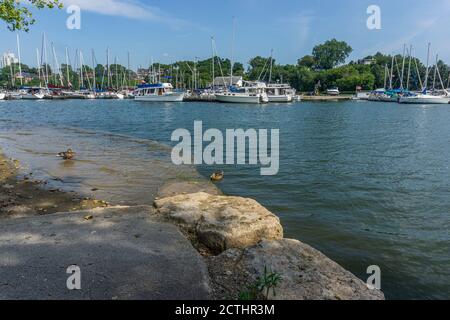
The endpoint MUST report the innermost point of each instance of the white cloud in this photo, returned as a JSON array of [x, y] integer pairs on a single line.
[[132, 9]]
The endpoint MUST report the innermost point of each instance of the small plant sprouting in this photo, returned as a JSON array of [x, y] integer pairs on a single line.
[[263, 286]]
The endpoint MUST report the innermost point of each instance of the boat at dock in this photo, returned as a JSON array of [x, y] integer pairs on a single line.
[[333, 92], [280, 93], [158, 92], [253, 93], [33, 93], [2, 96], [436, 97]]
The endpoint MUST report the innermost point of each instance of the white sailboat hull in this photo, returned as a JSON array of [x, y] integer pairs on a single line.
[[172, 97], [281, 98], [425, 100], [241, 98], [34, 96]]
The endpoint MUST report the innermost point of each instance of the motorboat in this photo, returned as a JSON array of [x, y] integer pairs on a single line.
[[280, 93], [158, 92], [252, 93]]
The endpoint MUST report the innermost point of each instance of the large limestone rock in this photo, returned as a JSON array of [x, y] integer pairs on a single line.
[[306, 273], [220, 222]]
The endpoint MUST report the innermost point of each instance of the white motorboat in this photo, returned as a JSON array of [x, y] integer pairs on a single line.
[[254, 93], [362, 95], [159, 92], [280, 93], [333, 92], [2, 96]]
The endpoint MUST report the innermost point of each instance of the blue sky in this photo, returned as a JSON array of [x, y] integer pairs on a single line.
[[180, 29]]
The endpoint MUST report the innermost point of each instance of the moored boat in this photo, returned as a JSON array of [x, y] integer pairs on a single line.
[[427, 98], [253, 93], [32, 93], [159, 92], [280, 93]]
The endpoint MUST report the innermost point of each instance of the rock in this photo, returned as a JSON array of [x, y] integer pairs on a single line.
[[171, 189], [220, 222], [306, 274]]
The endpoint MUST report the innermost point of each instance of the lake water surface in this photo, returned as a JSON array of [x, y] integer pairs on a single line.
[[366, 183]]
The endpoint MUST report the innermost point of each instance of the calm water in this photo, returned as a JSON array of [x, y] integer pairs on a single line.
[[366, 183]]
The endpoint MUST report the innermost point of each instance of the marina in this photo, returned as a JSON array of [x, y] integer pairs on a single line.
[[174, 151]]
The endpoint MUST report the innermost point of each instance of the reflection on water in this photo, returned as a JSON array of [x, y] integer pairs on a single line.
[[121, 170]]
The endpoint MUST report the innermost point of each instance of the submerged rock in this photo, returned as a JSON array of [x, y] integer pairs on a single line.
[[306, 274], [220, 222]]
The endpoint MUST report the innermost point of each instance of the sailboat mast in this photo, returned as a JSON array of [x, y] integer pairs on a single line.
[[409, 68], [45, 58], [435, 73], [232, 51], [213, 62], [403, 67], [67, 68], [271, 66], [20, 59], [386, 70], [81, 71], [107, 68], [418, 74], [128, 70], [392, 72], [38, 67], [94, 86], [427, 72]]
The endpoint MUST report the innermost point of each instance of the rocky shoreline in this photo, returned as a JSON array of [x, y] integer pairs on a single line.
[[23, 196], [238, 244]]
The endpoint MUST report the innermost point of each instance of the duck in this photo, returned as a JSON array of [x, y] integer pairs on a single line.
[[217, 176], [67, 155]]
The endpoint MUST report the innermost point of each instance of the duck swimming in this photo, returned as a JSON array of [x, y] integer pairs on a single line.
[[217, 176], [67, 155]]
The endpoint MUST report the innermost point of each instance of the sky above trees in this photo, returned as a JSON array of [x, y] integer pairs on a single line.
[[181, 30]]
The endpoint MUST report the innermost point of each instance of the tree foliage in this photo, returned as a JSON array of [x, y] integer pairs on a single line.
[[331, 53], [18, 16]]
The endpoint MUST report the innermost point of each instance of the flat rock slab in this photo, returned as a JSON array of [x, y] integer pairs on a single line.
[[123, 253], [221, 222], [306, 274]]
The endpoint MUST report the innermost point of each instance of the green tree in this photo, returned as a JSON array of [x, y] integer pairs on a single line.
[[18, 17], [331, 53], [307, 61]]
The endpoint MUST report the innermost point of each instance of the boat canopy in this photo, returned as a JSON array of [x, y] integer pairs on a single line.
[[154, 85]]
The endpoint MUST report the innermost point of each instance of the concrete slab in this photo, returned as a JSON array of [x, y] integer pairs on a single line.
[[123, 253]]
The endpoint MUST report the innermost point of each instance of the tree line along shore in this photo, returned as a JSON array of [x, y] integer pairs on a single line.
[[323, 69]]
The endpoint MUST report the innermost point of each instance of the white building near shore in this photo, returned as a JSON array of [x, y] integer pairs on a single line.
[[7, 59]]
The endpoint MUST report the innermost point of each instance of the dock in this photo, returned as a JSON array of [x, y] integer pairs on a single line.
[[342, 97]]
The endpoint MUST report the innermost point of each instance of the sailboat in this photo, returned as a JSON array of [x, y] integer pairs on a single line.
[[250, 92], [429, 97], [32, 93]]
